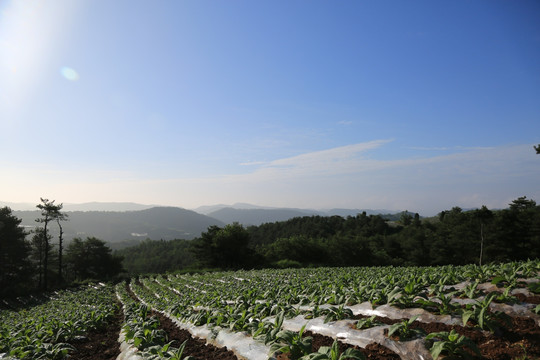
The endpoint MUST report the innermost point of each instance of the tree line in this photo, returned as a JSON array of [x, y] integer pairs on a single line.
[[453, 236], [41, 263]]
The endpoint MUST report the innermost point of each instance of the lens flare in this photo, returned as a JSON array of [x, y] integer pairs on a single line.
[[69, 73]]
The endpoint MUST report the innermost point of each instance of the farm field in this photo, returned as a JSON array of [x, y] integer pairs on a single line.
[[481, 312]]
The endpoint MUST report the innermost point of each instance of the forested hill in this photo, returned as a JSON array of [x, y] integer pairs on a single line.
[[453, 237], [165, 223]]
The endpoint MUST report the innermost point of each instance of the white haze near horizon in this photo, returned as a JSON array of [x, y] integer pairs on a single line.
[[342, 177]]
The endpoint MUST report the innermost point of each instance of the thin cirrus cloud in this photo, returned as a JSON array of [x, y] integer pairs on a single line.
[[478, 165], [446, 148], [353, 176], [331, 161], [252, 163]]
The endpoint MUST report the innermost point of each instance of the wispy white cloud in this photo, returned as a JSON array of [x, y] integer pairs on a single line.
[[421, 148], [449, 148], [347, 176], [343, 159], [251, 163]]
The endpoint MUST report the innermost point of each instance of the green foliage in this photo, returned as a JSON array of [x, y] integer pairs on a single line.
[[367, 323], [267, 331], [332, 353], [481, 314], [443, 306], [286, 263], [404, 331], [471, 290], [91, 259], [451, 345], [15, 268], [455, 237], [166, 352], [258, 302], [534, 287], [334, 313], [44, 330], [157, 256], [292, 343], [224, 248]]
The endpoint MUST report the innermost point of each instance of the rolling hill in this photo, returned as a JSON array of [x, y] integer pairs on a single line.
[[156, 223]]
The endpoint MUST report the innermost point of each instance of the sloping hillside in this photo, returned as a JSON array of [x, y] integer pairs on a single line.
[[155, 223]]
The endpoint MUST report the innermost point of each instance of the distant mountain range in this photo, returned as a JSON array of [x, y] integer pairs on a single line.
[[124, 224], [129, 227], [91, 206]]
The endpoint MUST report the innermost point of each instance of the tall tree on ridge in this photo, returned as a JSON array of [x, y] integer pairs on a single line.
[[484, 215], [49, 212], [61, 217]]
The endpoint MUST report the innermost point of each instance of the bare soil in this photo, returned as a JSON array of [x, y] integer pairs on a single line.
[[194, 346], [100, 344], [535, 299], [198, 348], [519, 339]]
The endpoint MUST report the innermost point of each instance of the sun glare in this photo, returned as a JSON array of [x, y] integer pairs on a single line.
[[29, 31], [69, 73]]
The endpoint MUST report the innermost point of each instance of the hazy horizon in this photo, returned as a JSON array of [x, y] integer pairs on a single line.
[[204, 209], [377, 105]]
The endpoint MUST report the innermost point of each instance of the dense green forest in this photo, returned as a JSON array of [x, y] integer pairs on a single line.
[[453, 237], [36, 262]]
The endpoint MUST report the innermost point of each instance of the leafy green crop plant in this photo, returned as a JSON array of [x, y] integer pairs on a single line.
[[367, 323], [332, 353], [267, 331], [481, 314], [292, 343], [166, 352], [451, 345], [334, 313], [534, 287], [471, 290], [404, 331], [441, 305]]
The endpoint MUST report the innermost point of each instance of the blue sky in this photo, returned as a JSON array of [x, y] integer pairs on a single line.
[[360, 104]]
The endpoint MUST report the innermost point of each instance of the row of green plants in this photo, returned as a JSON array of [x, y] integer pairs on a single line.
[[142, 330], [45, 331], [257, 321], [294, 344], [256, 302], [401, 287]]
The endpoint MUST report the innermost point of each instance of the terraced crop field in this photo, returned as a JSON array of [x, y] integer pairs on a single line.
[[479, 312]]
